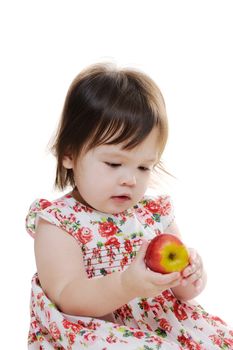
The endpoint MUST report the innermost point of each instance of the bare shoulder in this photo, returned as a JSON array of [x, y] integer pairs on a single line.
[[59, 258]]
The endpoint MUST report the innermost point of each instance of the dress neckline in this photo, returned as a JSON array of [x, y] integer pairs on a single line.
[[128, 212]]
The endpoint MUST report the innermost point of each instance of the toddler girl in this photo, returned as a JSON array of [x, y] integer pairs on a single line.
[[92, 289]]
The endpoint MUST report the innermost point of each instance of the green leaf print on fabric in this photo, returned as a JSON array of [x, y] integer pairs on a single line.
[[136, 234], [127, 333], [146, 347], [156, 217], [103, 272], [161, 333]]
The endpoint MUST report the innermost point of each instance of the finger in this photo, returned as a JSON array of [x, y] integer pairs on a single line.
[[172, 284], [194, 277], [192, 255], [198, 283], [199, 263], [189, 270], [165, 279], [142, 251], [195, 258]]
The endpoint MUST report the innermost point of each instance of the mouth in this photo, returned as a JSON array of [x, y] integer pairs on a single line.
[[122, 197]]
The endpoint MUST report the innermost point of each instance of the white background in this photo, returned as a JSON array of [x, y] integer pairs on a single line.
[[186, 47]]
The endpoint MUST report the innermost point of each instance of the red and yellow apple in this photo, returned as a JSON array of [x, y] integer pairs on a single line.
[[166, 253]]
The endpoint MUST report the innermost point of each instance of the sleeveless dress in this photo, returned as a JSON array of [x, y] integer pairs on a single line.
[[109, 243]]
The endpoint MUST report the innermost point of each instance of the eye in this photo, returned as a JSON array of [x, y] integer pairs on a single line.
[[143, 168], [113, 165]]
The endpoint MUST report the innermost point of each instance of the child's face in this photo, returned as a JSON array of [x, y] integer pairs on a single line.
[[110, 179]]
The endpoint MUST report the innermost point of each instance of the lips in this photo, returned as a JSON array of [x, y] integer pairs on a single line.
[[122, 197]]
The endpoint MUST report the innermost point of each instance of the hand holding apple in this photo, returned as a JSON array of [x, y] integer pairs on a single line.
[[166, 253], [193, 278], [194, 272], [138, 281]]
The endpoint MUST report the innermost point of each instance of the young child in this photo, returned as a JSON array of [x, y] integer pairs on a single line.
[[92, 289]]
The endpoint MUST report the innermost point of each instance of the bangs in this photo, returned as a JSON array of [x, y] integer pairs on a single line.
[[128, 118]]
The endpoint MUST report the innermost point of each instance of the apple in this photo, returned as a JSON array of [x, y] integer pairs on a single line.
[[166, 253]]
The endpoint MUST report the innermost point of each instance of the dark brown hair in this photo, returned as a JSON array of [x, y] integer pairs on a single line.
[[107, 105]]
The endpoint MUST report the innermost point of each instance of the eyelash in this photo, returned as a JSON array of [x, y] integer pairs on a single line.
[[116, 165], [113, 165], [143, 168]]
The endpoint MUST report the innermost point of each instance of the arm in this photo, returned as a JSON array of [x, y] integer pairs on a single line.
[[63, 277], [194, 276]]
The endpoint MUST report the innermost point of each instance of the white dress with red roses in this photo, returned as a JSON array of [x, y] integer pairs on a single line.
[[109, 243]]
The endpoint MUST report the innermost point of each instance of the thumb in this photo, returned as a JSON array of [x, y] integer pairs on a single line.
[[142, 251]]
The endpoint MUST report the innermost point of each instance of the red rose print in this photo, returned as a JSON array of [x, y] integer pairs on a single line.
[[145, 305], [111, 339], [182, 339], [48, 315], [153, 207], [107, 229], [218, 319], [149, 221], [161, 206], [41, 304], [54, 330], [90, 338], [138, 334], [74, 326], [34, 324], [179, 311], [91, 325], [165, 206], [125, 311], [44, 203], [216, 340], [192, 345], [84, 235], [72, 218], [113, 241], [159, 299], [39, 295], [66, 324], [220, 332], [165, 325], [77, 208], [168, 295], [71, 338], [195, 315], [124, 261], [228, 342], [59, 216], [128, 246]]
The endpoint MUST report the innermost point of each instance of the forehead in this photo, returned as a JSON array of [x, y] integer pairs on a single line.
[[146, 150]]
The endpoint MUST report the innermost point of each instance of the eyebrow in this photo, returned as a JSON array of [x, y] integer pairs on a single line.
[[123, 155]]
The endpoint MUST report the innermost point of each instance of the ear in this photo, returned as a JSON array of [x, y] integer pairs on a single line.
[[68, 162]]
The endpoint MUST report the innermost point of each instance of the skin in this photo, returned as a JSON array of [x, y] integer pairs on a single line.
[[110, 180], [117, 172]]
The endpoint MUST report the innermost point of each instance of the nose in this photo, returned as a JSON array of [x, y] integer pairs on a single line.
[[128, 179]]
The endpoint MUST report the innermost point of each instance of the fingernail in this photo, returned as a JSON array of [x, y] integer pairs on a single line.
[[184, 283]]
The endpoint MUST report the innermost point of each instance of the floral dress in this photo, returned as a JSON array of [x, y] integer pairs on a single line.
[[109, 243]]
